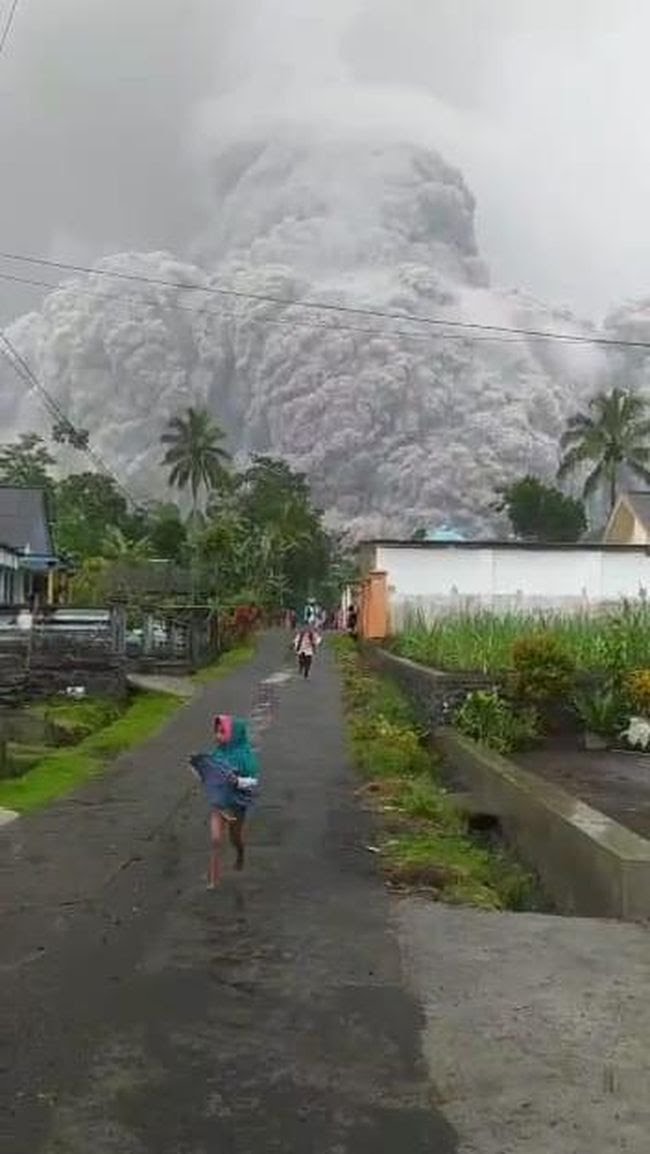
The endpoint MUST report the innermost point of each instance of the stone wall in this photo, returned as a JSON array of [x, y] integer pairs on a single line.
[[434, 693], [101, 674], [45, 670]]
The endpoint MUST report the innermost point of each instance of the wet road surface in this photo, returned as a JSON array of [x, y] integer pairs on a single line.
[[141, 1014]]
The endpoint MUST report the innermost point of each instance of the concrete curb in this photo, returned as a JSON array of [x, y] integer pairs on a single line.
[[589, 864], [7, 816]]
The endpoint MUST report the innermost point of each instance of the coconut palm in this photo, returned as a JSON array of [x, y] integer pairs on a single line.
[[195, 455], [612, 436]]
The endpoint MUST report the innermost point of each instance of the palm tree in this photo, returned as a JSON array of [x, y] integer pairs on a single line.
[[613, 435], [195, 455]]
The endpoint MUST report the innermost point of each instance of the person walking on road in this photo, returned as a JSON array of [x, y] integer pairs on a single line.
[[305, 645], [230, 777], [352, 622]]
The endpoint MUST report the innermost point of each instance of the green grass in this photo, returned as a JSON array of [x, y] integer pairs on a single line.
[[72, 721], [463, 872], [65, 769], [21, 756], [227, 663], [483, 641], [427, 842]]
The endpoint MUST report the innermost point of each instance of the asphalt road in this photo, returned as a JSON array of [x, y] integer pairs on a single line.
[[141, 1014]]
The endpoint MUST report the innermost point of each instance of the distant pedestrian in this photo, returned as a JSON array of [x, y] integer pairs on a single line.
[[311, 613], [230, 777], [352, 621], [305, 645]]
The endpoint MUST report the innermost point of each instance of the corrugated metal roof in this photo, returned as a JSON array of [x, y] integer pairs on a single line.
[[23, 520]]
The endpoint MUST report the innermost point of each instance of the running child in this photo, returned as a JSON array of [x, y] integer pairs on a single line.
[[305, 645], [230, 777]]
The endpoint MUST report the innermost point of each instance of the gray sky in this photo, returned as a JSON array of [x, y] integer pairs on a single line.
[[108, 107]]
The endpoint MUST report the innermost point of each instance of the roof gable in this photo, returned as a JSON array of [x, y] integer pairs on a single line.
[[639, 503], [24, 522]]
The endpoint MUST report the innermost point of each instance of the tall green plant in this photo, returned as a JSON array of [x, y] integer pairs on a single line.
[[196, 459], [489, 719], [195, 455], [610, 643], [612, 436]]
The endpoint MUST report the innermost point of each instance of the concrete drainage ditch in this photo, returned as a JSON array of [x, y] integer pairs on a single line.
[[588, 863]]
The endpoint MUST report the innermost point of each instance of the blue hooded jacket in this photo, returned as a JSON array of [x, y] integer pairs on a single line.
[[224, 767]]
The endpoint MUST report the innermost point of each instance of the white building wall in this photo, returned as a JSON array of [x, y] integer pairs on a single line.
[[625, 574], [454, 579], [436, 572], [546, 573], [8, 575]]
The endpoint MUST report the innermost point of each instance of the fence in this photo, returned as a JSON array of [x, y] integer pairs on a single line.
[[48, 651], [179, 640]]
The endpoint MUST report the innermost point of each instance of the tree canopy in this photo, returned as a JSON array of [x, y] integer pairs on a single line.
[[259, 537], [195, 456], [611, 437], [86, 507], [26, 461], [539, 512], [265, 535]]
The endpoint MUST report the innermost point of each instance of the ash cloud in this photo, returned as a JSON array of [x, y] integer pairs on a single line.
[[306, 151]]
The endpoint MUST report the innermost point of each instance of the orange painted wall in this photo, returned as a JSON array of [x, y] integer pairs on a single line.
[[374, 620]]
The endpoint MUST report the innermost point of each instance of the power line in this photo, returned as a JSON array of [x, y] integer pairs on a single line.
[[6, 28], [201, 310], [328, 306], [23, 370], [464, 327]]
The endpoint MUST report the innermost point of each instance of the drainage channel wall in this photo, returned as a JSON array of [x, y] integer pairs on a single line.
[[588, 864]]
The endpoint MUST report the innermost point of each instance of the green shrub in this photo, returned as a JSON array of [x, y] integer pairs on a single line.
[[543, 670], [491, 720], [602, 711], [637, 688]]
